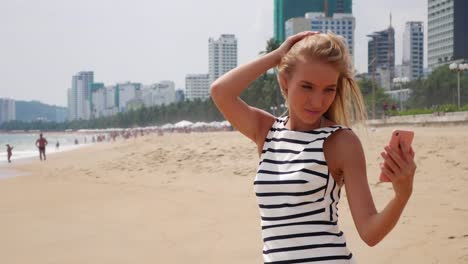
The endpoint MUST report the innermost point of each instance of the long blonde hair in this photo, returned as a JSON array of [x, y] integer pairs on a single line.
[[348, 105]]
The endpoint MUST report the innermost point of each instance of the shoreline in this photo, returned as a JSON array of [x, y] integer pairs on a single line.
[[11, 170], [30, 152]]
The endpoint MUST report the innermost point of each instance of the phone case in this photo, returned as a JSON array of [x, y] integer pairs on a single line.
[[398, 136]]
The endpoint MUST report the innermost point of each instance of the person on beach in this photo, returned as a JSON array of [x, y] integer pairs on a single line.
[[9, 152], [308, 155], [41, 144], [57, 145]]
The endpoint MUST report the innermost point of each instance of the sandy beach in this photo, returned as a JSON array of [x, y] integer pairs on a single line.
[[189, 198]]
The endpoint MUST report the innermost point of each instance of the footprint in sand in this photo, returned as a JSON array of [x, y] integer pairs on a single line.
[[430, 232], [422, 157], [453, 237], [464, 258]]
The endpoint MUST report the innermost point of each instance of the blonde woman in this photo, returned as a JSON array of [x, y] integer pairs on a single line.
[[307, 156]]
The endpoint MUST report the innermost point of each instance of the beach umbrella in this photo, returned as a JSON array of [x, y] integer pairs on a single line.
[[215, 124], [225, 123], [168, 126], [183, 124], [199, 125]]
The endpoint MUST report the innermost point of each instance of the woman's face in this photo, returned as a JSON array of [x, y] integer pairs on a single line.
[[310, 90]]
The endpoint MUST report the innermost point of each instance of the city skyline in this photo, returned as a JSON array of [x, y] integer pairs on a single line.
[[130, 42]]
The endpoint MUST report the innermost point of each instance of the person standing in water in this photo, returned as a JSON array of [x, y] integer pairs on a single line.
[[41, 144], [308, 155], [9, 152]]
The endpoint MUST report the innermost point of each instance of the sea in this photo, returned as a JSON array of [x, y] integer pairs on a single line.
[[24, 144]]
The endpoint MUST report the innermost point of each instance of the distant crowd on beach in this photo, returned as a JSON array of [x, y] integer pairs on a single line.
[[42, 143], [111, 135]]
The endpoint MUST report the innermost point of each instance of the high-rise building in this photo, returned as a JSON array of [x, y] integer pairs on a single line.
[[99, 102], [7, 110], [162, 93], [222, 55], [447, 38], [197, 86], [381, 56], [286, 9], [71, 104], [80, 96], [340, 24], [95, 87], [180, 95], [295, 25], [413, 50], [111, 100], [127, 92]]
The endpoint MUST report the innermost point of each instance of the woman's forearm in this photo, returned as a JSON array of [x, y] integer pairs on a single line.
[[237, 80], [380, 224]]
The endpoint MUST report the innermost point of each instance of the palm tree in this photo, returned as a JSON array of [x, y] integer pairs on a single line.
[[271, 45]]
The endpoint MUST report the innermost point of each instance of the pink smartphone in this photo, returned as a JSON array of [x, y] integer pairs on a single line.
[[398, 136]]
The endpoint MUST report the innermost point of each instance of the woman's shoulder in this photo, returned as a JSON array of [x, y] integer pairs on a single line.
[[341, 147], [334, 126], [342, 136]]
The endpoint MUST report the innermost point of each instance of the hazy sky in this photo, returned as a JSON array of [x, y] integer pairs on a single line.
[[44, 42]]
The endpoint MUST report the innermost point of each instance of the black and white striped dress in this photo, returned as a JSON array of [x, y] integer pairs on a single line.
[[298, 199]]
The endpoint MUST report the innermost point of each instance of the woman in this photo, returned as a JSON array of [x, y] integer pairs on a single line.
[[307, 156]]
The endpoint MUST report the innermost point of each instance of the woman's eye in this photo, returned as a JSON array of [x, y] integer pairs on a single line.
[[306, 87], [330, 90]]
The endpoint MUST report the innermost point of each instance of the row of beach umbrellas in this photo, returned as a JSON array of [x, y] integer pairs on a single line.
[[184, 124]]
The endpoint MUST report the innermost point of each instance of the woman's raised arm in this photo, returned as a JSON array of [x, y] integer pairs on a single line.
[[225, 91]]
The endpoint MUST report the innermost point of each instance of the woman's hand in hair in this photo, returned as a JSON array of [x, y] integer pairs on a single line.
[[290, 41]]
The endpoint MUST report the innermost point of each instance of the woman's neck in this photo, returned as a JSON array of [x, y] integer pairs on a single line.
[[296, 125]]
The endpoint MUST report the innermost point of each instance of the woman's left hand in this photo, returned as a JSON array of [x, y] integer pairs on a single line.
[[399, 167]]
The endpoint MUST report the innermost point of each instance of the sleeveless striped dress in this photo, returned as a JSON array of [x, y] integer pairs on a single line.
[[298, 199]]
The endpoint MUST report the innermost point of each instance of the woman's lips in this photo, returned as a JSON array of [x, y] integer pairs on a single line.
[[312, 112]]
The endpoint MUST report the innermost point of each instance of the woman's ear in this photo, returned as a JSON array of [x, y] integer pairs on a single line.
[[283, 84]]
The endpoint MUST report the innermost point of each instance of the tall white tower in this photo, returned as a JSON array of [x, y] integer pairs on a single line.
[[222, 55]]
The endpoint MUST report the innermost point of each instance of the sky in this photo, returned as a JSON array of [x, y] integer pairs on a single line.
[[43, 43]]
